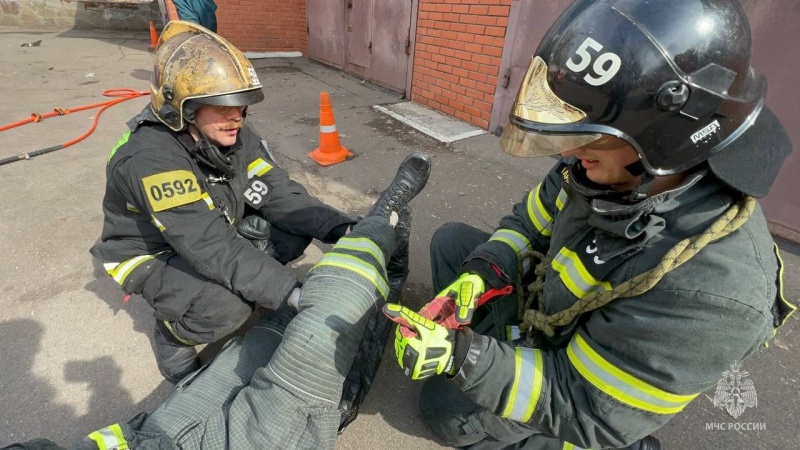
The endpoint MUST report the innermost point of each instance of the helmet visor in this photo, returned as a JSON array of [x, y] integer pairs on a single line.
[[536, 103]]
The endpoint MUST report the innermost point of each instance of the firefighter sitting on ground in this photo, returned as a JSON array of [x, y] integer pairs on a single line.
[[199, 219], [645, 263], [278, 387]]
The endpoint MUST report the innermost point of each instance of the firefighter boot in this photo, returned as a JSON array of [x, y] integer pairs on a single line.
[[648, 443], [175, 360], [412, 175], [397, 268]]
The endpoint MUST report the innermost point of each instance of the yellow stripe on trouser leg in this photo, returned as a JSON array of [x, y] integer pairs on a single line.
[[353, 264], [110, 438]]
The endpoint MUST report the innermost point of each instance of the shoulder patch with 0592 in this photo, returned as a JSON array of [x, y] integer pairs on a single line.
[[167, 190], [257, 192]]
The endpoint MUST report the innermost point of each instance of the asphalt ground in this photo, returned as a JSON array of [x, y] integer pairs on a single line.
[[75, 358]]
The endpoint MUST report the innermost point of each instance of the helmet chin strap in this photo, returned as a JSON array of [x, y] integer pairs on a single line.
[[646, 180], [212, 153]]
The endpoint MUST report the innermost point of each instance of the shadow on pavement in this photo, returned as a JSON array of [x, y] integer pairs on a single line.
[[21, 343]]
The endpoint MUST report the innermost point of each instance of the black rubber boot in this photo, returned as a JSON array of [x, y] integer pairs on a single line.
[[175, 360], [397, 267], [412, 175], [648, 443]]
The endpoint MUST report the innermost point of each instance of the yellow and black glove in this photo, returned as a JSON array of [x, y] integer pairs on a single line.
[[465, 292], [423, 347]]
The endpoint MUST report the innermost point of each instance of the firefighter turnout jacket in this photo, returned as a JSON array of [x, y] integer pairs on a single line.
[[616, 374], [161, 197]]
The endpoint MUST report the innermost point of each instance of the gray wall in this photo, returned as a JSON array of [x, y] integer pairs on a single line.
[[104, 14]]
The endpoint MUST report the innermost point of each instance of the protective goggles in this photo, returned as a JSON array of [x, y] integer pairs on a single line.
[[537, 103]]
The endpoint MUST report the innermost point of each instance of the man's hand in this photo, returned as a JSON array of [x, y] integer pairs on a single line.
[[423, 347], [465, 292]]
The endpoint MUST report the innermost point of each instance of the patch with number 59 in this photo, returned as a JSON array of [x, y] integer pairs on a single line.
[[167, 190], [257, 192]]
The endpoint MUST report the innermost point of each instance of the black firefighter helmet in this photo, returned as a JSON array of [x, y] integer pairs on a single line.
[[671, 78]]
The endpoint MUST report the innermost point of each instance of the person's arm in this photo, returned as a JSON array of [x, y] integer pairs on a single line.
[[185, 11], [290, 207], [527, 228], [625, 373], [164, 187]]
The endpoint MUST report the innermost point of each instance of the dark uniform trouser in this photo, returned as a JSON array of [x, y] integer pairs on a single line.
[[200, 310], [279, 386], [444, 408]]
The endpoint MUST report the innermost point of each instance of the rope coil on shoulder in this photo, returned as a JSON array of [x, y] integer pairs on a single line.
[[735, 216]]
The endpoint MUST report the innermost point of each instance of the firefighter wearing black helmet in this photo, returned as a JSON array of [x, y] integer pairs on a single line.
[[199, 219], [643, 264]]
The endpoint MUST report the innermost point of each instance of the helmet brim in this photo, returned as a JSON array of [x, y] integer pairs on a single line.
[[764, 145], [242, 98]]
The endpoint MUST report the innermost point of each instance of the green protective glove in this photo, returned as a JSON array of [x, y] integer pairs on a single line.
[[423, 347], [465, 292]]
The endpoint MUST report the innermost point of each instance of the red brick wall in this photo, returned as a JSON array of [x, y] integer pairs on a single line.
[[261, 25], [457, 58]]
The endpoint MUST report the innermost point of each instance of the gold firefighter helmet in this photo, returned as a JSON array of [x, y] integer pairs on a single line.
[[193, 63]]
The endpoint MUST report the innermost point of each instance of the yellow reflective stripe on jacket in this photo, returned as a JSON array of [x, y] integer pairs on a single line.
[[110, 438], [792, 308], [516, 241], [120, 143], [542, 220], [620, 385], [207, 198], [157, 223], [258, 168], [561, 200], [363, 245], [120, 271], [131, 208], [512, 333], [355, 265], [568, 446], [527, 387], [575, 276]]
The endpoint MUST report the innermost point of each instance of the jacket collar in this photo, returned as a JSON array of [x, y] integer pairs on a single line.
[[623, 227]]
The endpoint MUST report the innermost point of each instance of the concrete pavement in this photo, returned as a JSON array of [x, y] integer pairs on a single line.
[[74, 357]]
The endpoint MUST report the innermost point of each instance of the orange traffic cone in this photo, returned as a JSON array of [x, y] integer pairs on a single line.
[[153, 36], [330, 151]]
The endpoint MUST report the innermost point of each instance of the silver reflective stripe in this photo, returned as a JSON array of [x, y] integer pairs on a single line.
[[363, 245], [542, 220], [157, 223], [327, 128], [207, 198], [512, 332], [515, 240], [257, 168], [561, 201], [527, 387], [110, 438], [620, 385], [353, 264], [122, 270], [575, 276]]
